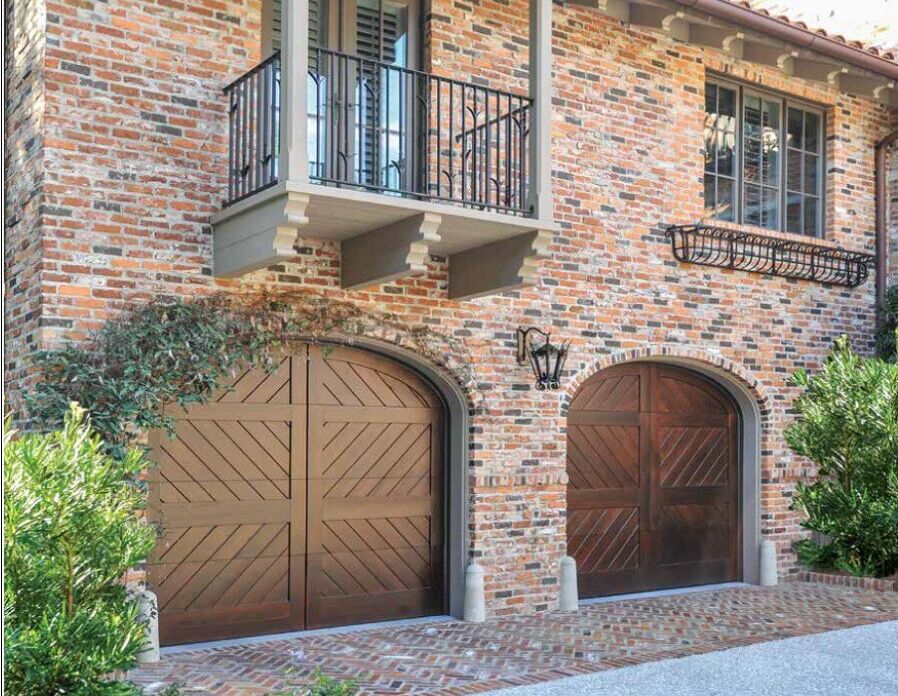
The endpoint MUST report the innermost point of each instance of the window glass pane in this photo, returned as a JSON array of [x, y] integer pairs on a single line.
[[751, 170], [770, 159], [751, 213], [811, 132], [710, 98], [793, 170], [770, 112], [710, 143], [810, 216], [709, 194], [726, 151], [727, 102], [726, 199], [771, 142], [752, 115], [793, 213], [793, 134], [810, 174], [770, 208]]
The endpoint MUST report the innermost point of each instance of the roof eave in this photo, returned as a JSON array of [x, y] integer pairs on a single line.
[[796, 35]]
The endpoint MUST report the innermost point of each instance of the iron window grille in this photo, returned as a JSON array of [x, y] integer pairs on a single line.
[[707, 245]]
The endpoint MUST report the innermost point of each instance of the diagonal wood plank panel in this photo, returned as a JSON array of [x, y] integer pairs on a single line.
[[229, 491], [653, 481], [375, 543], [242, 553]]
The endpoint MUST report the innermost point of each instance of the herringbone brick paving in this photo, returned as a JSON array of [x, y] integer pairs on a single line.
[[446, 658]]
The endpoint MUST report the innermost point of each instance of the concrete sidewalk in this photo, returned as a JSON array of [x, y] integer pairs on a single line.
[[861, 661]]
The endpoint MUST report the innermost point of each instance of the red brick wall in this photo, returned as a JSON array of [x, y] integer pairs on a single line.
[[24, 57], [134, 162]]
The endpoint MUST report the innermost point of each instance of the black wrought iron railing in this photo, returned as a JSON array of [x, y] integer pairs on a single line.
[[708, 245], [253, 125], [381, 127]]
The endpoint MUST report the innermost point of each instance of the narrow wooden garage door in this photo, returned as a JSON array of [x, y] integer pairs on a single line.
[[375, 519], [248, 547], [653, 497]]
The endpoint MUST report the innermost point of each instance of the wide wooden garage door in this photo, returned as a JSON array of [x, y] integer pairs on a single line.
[[307, 497], [653, 493]]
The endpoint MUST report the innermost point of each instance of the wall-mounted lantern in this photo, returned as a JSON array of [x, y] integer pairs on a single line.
[[546, 359]]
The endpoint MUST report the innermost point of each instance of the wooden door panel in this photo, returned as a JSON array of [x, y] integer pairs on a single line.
[[693, 533], [653, 481], [603, 456], [243, 553], [691, 457], [374, 537], [229, 491], [604, 540]]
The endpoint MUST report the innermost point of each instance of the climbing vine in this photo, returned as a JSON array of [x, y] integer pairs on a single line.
[[182, 351]]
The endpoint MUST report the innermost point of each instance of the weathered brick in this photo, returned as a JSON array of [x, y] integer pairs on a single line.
[[119, 159]]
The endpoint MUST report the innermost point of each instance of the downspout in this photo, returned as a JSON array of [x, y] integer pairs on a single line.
[[881, 196]]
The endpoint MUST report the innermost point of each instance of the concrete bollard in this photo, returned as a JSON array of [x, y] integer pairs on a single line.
[[567, 585], [475, 602], [768, 564], [149, 614]]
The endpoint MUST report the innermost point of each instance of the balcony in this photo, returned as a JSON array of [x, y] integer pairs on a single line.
[[395, 164]]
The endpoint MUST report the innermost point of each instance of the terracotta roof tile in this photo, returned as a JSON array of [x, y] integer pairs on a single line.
[[886, 53]]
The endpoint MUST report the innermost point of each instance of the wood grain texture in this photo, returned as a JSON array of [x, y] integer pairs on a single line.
[[653, 493], [375, 482], [279, 516]]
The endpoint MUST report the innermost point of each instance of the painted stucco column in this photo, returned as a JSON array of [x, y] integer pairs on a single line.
[[541, 114], [294, 155]]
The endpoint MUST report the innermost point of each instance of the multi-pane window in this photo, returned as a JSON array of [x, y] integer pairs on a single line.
[[720, 152], [763, 160]]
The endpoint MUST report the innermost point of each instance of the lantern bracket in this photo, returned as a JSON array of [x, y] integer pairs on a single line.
[[546, 360]]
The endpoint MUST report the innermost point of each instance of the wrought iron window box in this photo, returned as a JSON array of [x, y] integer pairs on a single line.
[[722, 247]]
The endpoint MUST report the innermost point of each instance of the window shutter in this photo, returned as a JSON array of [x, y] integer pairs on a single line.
[[275, 25], [316, 25]]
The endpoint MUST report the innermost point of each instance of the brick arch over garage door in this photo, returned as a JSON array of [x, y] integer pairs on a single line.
[[654, 480], [308, 497]]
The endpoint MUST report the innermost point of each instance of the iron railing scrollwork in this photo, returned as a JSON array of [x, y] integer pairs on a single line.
[[722, 247], [380, 127], [253, 129]]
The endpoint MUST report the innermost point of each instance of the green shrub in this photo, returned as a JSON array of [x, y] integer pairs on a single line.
[[164, 351], [887, 334], [323, 685], [70, 534], [848, 426]]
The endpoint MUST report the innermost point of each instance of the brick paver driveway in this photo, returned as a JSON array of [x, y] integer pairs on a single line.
[[452, 657]]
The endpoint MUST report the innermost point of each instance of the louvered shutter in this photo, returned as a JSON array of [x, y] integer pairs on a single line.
[[316, 25], [275, 25], [377, 34]]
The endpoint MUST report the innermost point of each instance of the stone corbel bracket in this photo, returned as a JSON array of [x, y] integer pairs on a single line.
[[508, 264], [259, 236], [395, 251]]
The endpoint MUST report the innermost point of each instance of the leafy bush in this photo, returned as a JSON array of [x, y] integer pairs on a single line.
[[160, 352], [887, 334], [848, 426], [70, 534], [323, 685]]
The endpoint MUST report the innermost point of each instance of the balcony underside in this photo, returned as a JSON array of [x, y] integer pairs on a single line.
[[382, 237]]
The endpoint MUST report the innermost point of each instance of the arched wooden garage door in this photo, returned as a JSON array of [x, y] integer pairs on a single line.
[[308, 497], [653, 497]]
